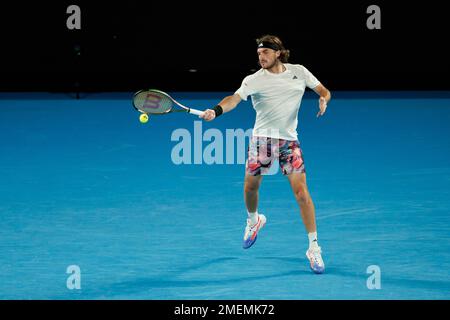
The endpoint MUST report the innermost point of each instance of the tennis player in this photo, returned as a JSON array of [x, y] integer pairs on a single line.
[[276, 91]]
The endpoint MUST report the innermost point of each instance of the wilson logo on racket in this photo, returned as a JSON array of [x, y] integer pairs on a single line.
[[152, 101], [158, 102]]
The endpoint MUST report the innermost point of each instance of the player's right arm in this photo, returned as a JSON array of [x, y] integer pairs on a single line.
[[227, 104]]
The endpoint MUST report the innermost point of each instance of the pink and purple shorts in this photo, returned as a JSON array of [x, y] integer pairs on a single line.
[[262, 152]]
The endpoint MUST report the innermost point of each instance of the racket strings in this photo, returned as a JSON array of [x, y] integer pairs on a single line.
[[152, 102]]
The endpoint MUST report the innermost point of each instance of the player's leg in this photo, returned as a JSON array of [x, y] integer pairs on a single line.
[[307, 211], [304, 200], [257, 161], [251, 192], [255, 220], [292, 165]]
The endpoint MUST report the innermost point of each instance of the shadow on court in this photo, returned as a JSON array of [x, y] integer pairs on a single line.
[[169, 280]]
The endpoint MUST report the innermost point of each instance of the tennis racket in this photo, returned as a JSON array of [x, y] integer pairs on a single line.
[[158, 102]]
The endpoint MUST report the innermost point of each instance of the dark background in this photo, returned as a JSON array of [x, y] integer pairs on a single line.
[[129, 45]]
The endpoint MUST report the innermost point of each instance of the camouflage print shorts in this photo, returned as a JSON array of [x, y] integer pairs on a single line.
[[262, 152]]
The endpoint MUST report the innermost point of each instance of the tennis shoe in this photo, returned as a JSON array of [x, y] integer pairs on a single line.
[[251, 231], [314, 256]]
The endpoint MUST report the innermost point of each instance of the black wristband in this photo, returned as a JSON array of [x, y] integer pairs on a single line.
[[218, 110]]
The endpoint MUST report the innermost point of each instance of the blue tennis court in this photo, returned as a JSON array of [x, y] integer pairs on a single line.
[[84, 183]]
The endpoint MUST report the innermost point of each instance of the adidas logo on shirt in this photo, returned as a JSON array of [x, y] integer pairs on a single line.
[[295, 77]]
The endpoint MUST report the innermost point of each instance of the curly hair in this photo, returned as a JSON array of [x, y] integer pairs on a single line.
[[284, 55]]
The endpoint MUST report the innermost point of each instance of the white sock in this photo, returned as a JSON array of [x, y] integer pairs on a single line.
[[313, 244], [253, 216]]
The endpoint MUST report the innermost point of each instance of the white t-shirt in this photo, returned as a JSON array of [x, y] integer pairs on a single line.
[[276, 97]]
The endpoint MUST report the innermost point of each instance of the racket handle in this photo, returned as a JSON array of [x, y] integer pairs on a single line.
[[196, 112]]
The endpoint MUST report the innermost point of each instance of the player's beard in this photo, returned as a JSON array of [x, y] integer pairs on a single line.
[[274, 63]]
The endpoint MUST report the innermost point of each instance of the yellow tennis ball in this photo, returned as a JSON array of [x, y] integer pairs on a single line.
[[143, 118]]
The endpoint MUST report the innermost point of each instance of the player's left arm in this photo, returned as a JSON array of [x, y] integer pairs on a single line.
[[325, 97]]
